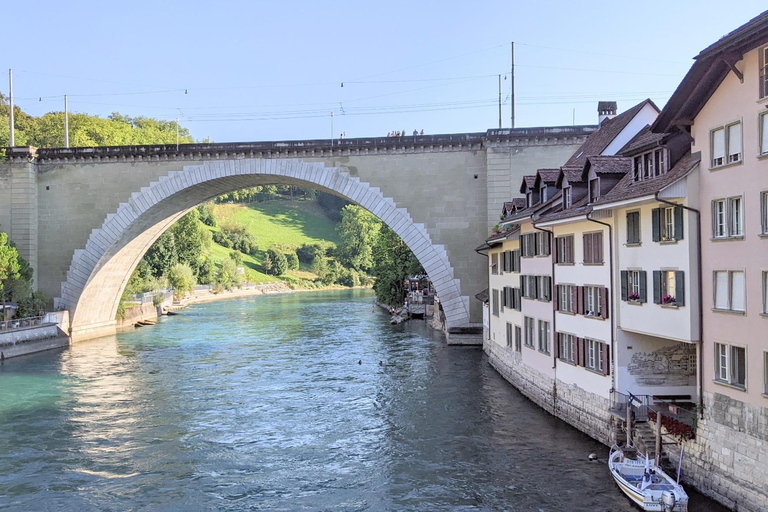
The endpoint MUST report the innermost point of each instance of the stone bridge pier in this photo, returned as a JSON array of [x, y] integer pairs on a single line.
[[84, 217]]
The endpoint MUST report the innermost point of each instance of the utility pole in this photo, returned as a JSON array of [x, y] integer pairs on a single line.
[[10, 98], [512, 96], [500, 102], [331, 128], [177, 134], [66, 123]]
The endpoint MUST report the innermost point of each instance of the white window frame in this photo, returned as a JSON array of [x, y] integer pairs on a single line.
[[567, 348], [529, 332], [728, 217], [633, 283], [495, 263], [765, 372], [545, 337], [594, 356], [495, 306], [763, 74], [518, 338], [764, 212], [729, 290], [565, 300], [765, 292], [567, 197], [762, 129], [725, 369], [594, 193], [667, 228], [730, 155], [668, 282], [736, 216], [592, 301], [543, 193], [719, 218]]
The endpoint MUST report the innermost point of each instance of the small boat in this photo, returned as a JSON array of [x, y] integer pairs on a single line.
[[645, 483]]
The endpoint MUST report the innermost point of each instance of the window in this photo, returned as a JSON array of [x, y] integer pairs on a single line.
[[764, 72], [565, 296], [564, 249], [633, 228], [495, 263], [731, 364], [518, 339], [530, 245], [596, 356], [543, 193], [726, 145], [495, 304], [544, 337], [765, 373], [567, 201], [544, 244], [515, 261], [545, 288], [633, 285], [667, 224], [510, 335], [764, 213], [727, 217], [765, 293], [729, 291], [764, 133], [529, 199], [511, 298], [649, 165], [593, 300], [593, 248], [594, 190], [669, 287], [530, 332], [566, 349]]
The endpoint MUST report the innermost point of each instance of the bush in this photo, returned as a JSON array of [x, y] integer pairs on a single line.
[[221, 238], [206, 214], [182, 279], [308, 252], [293, 260], [237, 257], [279, 262], [348, 277]]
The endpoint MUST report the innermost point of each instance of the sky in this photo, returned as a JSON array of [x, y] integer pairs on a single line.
[[239, 71]]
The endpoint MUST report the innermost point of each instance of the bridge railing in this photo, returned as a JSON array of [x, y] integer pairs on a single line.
[[21, 323]]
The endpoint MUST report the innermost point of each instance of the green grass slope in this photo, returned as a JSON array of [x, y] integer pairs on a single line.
[[282, 223]]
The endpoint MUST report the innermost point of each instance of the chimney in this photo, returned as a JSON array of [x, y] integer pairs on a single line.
[[605, 110]]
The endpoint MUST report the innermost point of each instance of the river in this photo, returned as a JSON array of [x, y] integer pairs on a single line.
[[292, 402]]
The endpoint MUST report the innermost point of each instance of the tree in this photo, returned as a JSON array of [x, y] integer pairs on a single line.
[[279, 262], [182, 279], [207, 216], [9, 266], [188, 234], [162, 256], [358, 230], [293, 260], [394, 263], [228, 276]]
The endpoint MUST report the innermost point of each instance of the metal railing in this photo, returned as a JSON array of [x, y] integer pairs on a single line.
[[21, 323], [677, 412], [149, 297], [640, 405]]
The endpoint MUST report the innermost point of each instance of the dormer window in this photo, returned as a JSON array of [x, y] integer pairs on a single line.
[[649, 165], [764, 72], [529, 199], [594, 190], [567, 197], [543, 193]]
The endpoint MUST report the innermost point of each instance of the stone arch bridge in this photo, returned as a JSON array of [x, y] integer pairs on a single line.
[[84, 217]]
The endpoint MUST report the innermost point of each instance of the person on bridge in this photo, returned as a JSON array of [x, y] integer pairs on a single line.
[[415, 132]]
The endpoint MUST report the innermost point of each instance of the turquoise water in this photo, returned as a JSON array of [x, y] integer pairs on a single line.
[[281, 403]]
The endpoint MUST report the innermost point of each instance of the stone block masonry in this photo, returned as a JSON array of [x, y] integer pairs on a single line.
[[585, 411]]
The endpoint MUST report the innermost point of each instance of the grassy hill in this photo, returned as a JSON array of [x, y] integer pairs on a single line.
[[282, 223]]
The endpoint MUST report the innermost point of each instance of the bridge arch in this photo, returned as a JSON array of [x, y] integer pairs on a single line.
[[99, 273]]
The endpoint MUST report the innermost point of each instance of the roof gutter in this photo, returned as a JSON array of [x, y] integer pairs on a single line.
[[552, 291], [613, 313], [701, 302]]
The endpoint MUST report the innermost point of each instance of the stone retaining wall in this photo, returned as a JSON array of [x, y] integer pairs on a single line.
[[584, 411], [728, 460], [32, 339]]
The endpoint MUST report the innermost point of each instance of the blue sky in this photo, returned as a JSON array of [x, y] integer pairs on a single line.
[[251, 70]]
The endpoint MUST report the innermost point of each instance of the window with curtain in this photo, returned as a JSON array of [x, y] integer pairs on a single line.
[[729, 292], [726, 145]]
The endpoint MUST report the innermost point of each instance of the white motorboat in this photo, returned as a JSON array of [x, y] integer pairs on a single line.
[[646, 483]]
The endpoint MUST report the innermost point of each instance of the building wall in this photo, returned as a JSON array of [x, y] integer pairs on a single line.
[[646, 116], [498, 324], [735, 101]]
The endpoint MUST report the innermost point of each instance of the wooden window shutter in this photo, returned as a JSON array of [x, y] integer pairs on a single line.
[[523, 280], [557, 345], [517, 254], [604, 302], [519, 300], [547, 244], [606, 358], [680, 288], [598, 248], [580, 351], [574, 299], [569, 249], [559, 249], [643, 286], [657, 286], [656, 224], [556, 298], [678, 223], [588, 248], [624, 284], [580, 300], [504, 298]]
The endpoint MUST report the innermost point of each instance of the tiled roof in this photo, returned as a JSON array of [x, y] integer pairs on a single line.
[[578, 209], [515, 204], [548, 176], [572, 174], [523, 214], [528, 182], [609, 130], [483, 296], [607, 165], [628, 189], [645, 139]]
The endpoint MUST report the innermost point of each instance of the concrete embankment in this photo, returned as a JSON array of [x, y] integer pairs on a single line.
[[45, 333]]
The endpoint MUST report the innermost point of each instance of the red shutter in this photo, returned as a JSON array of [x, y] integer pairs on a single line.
[[579, 300], [579, 351], [587, 248], [606, 359], [569, 249], [604, 302]]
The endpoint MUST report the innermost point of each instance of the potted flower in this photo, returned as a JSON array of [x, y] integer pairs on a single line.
[[633, 296], [495, 230], [668, 300]]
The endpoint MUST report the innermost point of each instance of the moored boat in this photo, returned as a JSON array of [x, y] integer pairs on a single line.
[[646, 484]]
